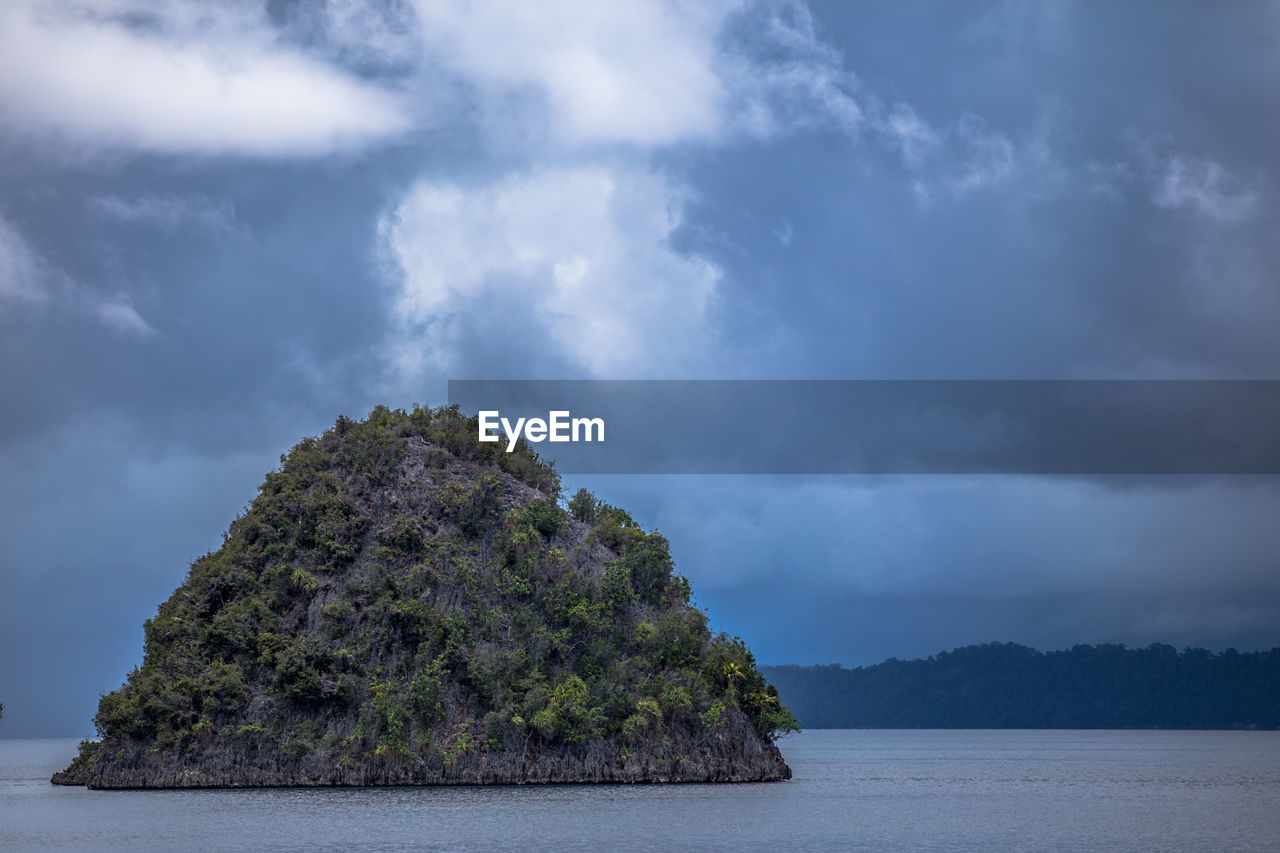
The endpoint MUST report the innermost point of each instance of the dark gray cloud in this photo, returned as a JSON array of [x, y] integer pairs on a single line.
[[857, 569], [829, 191], [274, 306], [1128, 236]]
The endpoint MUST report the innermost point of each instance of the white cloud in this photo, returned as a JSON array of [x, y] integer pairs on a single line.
[[27, 279], [171, 77], [988, 156], [168, 212], [559, 75], [577, 75], [1203, 187], [22, 272], [187, 77], [915, 139], [627, 71], [959, 159], [781, 75], [785, 234], [586, 249], [371, 34], [121, 316]]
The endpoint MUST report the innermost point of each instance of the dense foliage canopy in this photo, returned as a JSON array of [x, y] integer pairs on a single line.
[[398, 591]]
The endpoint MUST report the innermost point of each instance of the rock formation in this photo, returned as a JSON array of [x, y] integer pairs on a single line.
[[404, 605]]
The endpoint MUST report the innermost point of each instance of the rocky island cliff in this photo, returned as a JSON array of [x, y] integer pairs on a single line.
[[404, 605]]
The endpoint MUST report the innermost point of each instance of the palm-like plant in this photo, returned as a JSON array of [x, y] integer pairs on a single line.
[[731, 671]]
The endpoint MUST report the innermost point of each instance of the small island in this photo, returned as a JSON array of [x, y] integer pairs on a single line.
[[402, 604]]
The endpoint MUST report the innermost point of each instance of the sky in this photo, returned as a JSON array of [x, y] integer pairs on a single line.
[[223, 224]]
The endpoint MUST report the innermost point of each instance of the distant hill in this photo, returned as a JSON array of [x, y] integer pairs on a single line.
[[1005, 685], [403, 605]]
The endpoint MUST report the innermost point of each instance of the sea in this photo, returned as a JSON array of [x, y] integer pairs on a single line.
[[873, 790]]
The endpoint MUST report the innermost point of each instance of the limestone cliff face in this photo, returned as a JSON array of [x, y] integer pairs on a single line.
[[736, 754], [402, 605]]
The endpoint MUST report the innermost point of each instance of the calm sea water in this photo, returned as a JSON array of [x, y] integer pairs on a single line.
[[853, 790]]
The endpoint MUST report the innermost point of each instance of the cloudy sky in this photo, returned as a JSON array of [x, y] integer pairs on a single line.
[[223, 224]]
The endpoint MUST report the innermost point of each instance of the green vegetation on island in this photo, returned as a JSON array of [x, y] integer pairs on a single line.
[[402, 604], [1004, 685]]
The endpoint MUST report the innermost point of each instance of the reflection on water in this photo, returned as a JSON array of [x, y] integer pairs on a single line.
[[853, 790]]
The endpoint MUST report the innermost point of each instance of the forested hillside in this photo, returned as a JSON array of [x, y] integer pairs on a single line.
[[1004, 685]]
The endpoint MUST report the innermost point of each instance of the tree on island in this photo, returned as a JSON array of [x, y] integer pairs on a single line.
[[583, 506]]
